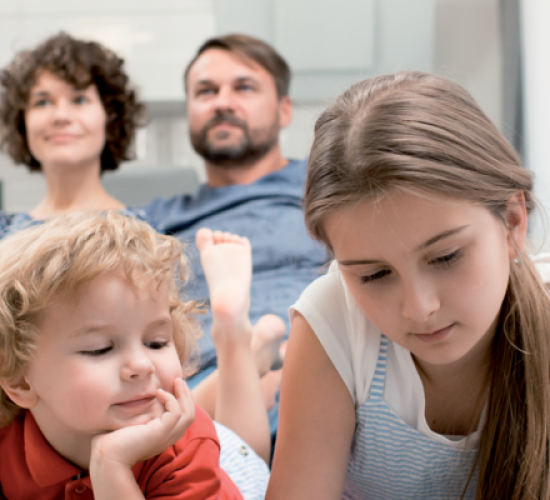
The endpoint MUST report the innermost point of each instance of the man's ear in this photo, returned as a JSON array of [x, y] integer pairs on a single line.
[[285, 111], [20, 392], [516, 223]]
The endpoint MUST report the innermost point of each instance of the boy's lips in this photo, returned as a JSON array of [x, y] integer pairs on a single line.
[[137, 401]]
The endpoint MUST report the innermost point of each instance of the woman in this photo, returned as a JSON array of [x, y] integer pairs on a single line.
[[68, 109]]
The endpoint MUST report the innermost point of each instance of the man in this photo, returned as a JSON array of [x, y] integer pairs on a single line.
[[237, 102]]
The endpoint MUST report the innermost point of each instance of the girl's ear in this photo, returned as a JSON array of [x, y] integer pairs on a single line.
[[20, 392], [516, 223]]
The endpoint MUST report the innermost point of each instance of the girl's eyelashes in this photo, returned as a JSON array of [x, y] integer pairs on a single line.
[[448, 259], [445, 260], [375, 277]]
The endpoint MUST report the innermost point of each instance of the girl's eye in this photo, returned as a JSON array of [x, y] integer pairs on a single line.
[[448, 259], [80, 99], [159, 344], [97, 352], [375, 277]]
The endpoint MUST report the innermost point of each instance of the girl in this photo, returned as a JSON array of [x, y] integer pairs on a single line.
[[423, 355]]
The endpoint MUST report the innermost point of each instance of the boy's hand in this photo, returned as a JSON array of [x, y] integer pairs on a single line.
[[135, 443]]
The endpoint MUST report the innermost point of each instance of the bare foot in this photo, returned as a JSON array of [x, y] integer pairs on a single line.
[[270, 385], [227, 263], [267, 335]]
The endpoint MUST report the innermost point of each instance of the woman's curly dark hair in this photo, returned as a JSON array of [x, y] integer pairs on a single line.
[[80, 64]]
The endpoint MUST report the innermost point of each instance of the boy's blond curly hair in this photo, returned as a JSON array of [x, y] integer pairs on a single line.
[[59, 258]]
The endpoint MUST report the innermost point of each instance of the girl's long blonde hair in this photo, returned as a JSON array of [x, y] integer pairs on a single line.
[[59, 258], [425, 134]]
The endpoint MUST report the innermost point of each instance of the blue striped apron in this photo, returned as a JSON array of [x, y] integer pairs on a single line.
[[389, 460]]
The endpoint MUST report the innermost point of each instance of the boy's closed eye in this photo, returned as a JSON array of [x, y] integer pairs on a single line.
[[96, 352]]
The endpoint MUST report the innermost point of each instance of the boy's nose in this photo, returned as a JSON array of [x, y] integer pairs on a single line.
[[137, 367]]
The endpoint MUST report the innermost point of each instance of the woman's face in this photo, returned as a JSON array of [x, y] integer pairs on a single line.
[[65, 126], [431, 274]]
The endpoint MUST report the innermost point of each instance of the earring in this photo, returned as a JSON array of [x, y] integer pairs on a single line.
[[516, 262]]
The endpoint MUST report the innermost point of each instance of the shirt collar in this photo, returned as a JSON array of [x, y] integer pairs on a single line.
[[46, 466]]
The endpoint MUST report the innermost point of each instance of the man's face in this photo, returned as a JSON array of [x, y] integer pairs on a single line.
[[234, 112]]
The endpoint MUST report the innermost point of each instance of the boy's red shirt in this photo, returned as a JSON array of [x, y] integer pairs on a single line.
[[30, 469]]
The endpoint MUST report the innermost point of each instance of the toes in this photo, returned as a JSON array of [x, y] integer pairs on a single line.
[[204, 238], [226, 237]]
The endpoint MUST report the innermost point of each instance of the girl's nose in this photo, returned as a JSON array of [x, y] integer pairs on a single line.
[[420, 301], [137, 366]]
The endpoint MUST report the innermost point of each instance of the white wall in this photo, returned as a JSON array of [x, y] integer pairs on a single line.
[[536, 82], [467, 48]]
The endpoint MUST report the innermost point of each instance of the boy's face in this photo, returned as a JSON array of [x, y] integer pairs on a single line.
[[101, 358]]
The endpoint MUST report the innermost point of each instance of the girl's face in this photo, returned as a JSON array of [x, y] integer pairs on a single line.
[[431, 274], [65, 126]]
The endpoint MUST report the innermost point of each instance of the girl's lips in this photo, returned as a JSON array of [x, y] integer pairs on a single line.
[[434, 336]]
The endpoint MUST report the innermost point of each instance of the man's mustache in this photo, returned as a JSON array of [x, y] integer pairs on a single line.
[[226, 118]]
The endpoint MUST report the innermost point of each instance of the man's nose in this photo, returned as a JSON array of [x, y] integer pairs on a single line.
[[225, 98]]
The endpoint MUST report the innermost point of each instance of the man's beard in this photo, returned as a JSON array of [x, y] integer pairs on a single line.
[[248, 151]]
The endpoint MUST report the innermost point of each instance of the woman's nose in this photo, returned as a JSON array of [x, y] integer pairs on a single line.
[[61, 110]]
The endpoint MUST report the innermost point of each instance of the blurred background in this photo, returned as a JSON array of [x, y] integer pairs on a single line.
[[499, 50]]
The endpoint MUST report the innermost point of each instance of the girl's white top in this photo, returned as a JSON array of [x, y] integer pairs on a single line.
[[352, 343]]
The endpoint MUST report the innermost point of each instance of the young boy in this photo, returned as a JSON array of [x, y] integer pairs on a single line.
[[93, 336]]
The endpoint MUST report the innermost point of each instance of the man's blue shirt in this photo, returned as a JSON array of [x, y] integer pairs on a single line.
[[269, 213]]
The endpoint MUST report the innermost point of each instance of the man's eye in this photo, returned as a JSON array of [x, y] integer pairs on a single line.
[[205, 91], [97, 352], [375, 277]]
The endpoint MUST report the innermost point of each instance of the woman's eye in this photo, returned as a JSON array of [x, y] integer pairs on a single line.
[[447, 259], [375, 277], [97, 352], [40, 103], [81, 99], [159, 344]]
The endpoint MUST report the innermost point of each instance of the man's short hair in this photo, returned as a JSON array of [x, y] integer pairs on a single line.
[[248, 47]]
